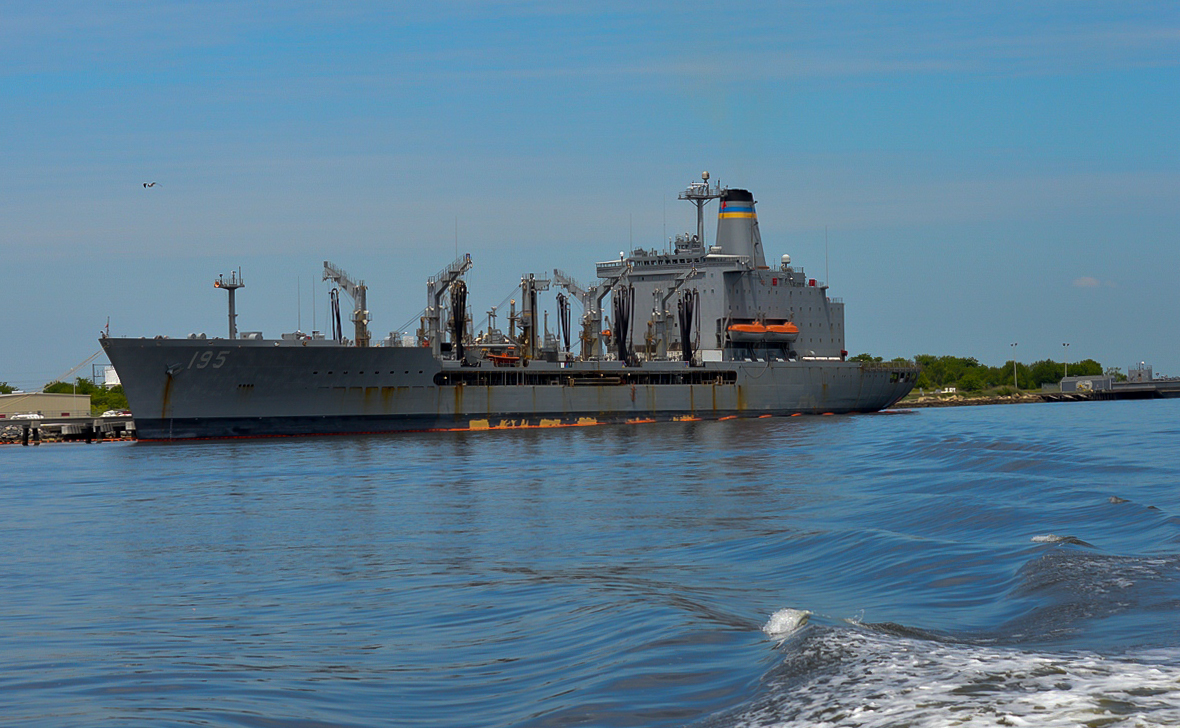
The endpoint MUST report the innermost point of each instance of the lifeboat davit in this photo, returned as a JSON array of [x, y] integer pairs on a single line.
[[782, 333], [747, 333]]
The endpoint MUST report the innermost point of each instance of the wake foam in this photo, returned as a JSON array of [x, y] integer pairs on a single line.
[[786, 622], [862, 677], [1054, 538]]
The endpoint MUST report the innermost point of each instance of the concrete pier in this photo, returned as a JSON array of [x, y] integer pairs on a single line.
[[66, 429]]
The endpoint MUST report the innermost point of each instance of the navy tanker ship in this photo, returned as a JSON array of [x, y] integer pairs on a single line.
[[696, 331]]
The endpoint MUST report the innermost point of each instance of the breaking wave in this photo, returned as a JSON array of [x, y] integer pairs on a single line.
[[1023, 672], [878, 676], [786, 622]]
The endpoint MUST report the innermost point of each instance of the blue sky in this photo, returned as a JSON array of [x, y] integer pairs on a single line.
[[984, 175]]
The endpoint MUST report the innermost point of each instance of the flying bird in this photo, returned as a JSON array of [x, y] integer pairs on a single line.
[[149, 184]]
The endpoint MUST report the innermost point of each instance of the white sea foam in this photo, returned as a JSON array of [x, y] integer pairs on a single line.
[[786, 622], [1054, 538], [857, 677], [1050, 538]]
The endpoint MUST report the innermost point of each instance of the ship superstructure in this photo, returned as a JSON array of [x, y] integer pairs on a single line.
[[702, 329]]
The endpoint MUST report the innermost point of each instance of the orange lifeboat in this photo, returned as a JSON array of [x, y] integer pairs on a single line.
[[746, 333], [782, 332]]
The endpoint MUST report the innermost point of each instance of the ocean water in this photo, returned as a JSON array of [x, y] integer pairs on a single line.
[[978, 566]]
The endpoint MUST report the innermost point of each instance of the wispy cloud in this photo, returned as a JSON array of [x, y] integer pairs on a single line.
[[1092, 282], [614, 40]]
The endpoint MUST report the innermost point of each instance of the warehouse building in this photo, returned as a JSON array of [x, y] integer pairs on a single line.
[[46, 405]]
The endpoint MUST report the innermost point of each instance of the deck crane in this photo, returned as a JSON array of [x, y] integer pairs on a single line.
[[591, 316], [356, 290], [527, 344], [662, 312], [609, 281], [436, 287]]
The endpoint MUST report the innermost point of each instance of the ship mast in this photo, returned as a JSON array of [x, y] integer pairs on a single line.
[[699, 194], [231, 286]]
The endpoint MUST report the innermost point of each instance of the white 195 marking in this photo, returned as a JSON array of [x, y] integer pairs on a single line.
[[205, 358]]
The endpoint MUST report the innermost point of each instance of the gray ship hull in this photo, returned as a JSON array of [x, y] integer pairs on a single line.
[[698, 330], [220, 388]]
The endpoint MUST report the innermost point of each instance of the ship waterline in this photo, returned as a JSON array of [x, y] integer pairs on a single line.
[[254, 388]]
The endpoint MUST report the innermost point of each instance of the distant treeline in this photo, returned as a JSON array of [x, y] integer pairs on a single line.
[[968, 375], [101, 398]]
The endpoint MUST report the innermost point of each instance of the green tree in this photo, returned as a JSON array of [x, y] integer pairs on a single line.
[[974, 380], [942, 371], [999, 376], [1116, 373], [1085, 368], [1023, 374], [108, 399], [101, 398], [1046, 371], [865, 357], [5, 389], [968, 375], [79, 386]]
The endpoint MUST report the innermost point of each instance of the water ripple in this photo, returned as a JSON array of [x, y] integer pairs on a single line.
[[604, 576]]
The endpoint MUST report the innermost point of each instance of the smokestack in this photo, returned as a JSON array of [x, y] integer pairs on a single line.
[[737, 227]]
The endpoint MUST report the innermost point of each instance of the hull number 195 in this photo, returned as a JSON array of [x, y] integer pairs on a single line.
[[202, 359]]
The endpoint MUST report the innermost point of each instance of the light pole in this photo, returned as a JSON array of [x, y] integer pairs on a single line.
[[1066, 347], [1014, 382]]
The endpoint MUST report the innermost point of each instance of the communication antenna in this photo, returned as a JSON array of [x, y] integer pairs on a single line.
[[827, 279]]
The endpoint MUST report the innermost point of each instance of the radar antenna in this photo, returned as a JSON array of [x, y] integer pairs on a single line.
[[699, 194]]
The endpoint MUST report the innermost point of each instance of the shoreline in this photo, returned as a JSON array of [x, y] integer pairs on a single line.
[[957, 401]]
